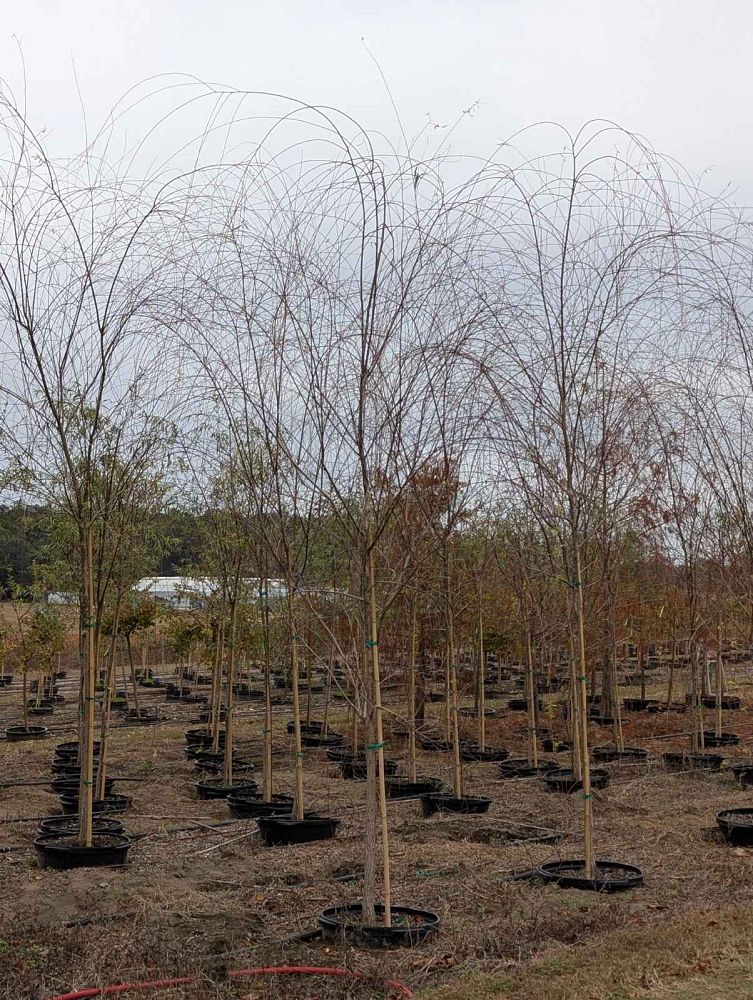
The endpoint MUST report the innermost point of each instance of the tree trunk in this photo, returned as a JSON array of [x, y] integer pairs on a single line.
[[86, 779]]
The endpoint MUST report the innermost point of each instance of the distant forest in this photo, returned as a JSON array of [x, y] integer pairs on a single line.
[[25, 540]]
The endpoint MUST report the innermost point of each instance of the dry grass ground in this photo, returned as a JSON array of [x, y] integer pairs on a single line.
[[202, 901]]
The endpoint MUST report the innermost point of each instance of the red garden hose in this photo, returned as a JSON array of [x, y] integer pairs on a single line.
[[271, 970]]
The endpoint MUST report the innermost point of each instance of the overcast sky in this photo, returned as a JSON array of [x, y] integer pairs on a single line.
[[678, 71]]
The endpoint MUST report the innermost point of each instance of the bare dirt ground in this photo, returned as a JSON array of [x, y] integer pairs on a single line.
[[205, 900]]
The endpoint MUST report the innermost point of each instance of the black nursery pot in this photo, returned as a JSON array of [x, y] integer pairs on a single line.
[[489, 755], [637, 704], [729, 702], [321, 741], [41, 709], [736, 825], [69, 786], [354, 768], [310, 728], [6, 680], [409, 926], [605, 754], [565, 780], [521, 704], [340, 753], [63, 851], [18, 734], [110, 804], [202, 738], [215, 789], [436, 743], [71, 749], [549, 745], [252, 806], [706, 761], [518, 767], [277, 830], [743, 773], [69, 824], [675, 760], [710, 739], [402, 788], [436, 802], [148, 717], [610, 876]]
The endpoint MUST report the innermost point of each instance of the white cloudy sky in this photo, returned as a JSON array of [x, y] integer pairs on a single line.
[[678, 71]]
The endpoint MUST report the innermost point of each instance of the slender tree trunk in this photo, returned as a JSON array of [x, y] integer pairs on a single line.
[[227, 770], [219, 659], [134, 685], [267, 762], [481, 681], [531, 695], [104, 725], [378, 732], [86, 779], [412, 698]]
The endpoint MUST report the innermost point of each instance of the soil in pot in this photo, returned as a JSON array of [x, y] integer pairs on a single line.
[[251, 806], [610, 876], [18, 734], [240, 766], [403, 788], [216, 789], [436, 802], [566, 781], [710, 739], [69, 824], [70, 750], [736, 825], [63, 851], [409, 926], [609, 752], [489, 755], [277, 830]]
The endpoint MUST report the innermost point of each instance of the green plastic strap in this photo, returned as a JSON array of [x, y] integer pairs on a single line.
[[586, 796], [375, 746], [88, 784], [581, 677], [299, 754], [575, 584], [371, 643]]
